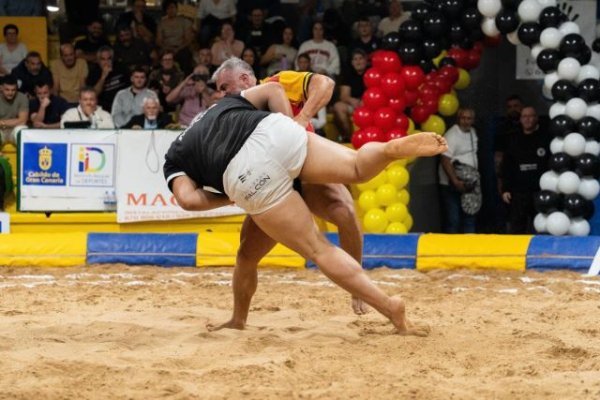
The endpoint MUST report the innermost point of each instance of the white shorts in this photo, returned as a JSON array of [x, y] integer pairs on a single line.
[[261, 174]]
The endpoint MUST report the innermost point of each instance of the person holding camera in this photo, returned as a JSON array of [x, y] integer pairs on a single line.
[[193, 94], [459, 177]]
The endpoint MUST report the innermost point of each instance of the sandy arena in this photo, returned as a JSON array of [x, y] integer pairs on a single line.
[[116, 332]]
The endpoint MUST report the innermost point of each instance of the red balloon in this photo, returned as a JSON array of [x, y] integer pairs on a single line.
[[372, 77], [478, 46], [492, 41], [449, 72], [430, 104], [459, 55], [419, 114], [389, 61], [413, 76], [429, 91], [362, 116], [411, 96], [373, 134], [374, 98], [358, 139], [402, 122], [392, 84], [473, 59], [430, 77], [398, 104], [395, 133], [384, 118], [444, 84]]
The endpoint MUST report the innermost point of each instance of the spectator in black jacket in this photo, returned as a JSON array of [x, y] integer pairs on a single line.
[[31, 72], [46, 109], [152, 118]]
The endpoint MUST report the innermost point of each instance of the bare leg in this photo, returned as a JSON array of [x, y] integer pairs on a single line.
[[254, 245], [333, 202], [290, 223]]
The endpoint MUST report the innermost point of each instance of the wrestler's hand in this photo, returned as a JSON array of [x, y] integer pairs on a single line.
[[302, 119]]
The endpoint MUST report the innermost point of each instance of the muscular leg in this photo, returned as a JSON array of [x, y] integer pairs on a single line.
[[290, 222], [254, 245], [333, 202]]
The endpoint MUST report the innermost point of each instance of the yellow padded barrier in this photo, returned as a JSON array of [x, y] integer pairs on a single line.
[[499, 252], [220, 249], [43, 250]]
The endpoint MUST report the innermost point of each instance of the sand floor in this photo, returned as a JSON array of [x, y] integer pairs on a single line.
[[117, 332]]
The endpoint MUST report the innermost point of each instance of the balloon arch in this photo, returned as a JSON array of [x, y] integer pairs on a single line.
[[413, 80]]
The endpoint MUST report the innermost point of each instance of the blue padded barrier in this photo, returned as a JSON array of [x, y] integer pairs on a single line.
[[562, 252], [392, 251], [165, 249]]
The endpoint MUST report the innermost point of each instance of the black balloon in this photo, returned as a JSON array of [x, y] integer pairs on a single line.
[[589, 127], [551, 17], [563, 90], [507, 21], [575, 205], [589, 90], [410, 53], [471, 19], [426, 65], [571, 44], [431, 48], [560, 162], [584, 56], [548, 60], [596, 45], [434, 25], [546, 201], [457, 33], [452, 8], [411, 31], [447, 61], [391, 41], [476, 35], [420, 12], [561, 125], [529, 33], [511, 4], [587, 165]]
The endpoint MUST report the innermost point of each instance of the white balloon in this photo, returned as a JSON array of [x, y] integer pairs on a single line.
[[529, 10], [568, 182], [539, 223], [489, 8], [592, 147], [556, 109], [549, 181], [589, 188], [568, 68], [550, 79], [547, 3], [558, 223], [513, 37], [593, 111], [547, 93], [569, 27], [557, 145], [574, 144], [579, 227], [588, 72], [488, 26], [595, 60], [536, 50], [550, 38], [576, 108]]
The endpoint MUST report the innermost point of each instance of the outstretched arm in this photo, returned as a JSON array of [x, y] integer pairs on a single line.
[[192, 198], [320, 90]]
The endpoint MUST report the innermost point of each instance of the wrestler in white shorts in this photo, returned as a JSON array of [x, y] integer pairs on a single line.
[[262, 172]]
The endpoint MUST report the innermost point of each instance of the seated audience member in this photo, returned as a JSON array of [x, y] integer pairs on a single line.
[[152, 118], [256, 32], [164, 78], [130, 51], [87, 114], [46, 109], [32, 72], [14, 110], [12, 52], [107, 77], [194, 95], [366, 40], [175, 34], [392, 22], [226, 46], [128, 101], [87, 48], [280, 57], [324, 56], [351, 90], [211, 16], [204, 57], [250, 56], [303, 63], [141, 23], [69, 73]]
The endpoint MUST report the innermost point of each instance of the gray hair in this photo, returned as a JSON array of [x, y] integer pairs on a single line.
[[104, 49], [148, 100], [232, 64]]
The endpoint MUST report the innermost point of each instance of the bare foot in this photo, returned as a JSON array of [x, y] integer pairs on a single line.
[[402, 324], [423, 144], [359, 307], [227, 325]]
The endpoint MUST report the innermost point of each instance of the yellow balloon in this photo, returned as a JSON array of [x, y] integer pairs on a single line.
[[439, 57], [397, 163], [434, 123], [396, 228], [448, 104], [374, 183], [464, 79], [375, 221], [408, 222], [368, 200], [386, 194], [403, 196], [398, 176], [396, 212], [411, 125]]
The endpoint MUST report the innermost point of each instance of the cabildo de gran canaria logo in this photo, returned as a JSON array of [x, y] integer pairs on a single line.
[[84, 159], [45, 158]]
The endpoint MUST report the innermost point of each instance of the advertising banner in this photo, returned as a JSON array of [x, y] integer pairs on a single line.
[[142, 193]]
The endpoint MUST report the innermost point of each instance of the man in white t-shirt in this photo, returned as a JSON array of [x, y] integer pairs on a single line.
[[462, 150], [12, 52], [392, 22]]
